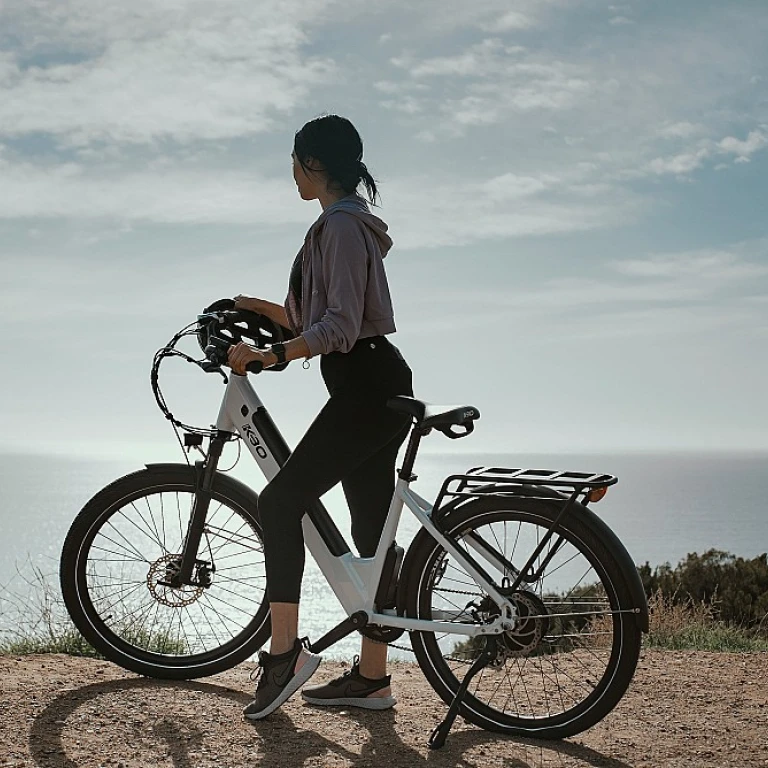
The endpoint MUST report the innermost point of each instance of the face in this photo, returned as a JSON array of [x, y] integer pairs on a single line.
[[307, 183]]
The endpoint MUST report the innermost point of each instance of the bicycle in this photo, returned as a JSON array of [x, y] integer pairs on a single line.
[[525, 611]]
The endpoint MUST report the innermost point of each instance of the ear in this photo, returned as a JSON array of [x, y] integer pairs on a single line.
[[314, 165]]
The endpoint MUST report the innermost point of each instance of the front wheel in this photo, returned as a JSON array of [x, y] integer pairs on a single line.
[[575, 644], [123, 548]]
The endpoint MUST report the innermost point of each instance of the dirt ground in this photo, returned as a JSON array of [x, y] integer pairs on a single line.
[[683, 709]]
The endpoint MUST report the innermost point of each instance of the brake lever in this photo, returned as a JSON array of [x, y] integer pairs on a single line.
[[218, 347], [211, 367]]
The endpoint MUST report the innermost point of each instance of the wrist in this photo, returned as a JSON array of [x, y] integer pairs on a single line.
[[277, 350]]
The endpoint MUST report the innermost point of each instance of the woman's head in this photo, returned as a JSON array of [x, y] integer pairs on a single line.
[[330, 148]]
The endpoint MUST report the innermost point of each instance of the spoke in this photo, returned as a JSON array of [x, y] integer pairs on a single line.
[[238, 594], [181, 527], [109, 551], [120, 599], [160, 539], [573, 655], [197, 631], [246, 581], [234, 554], [154, 539], [221, 600], [237, 568], [205, 616], [223, 616], [130, 548]]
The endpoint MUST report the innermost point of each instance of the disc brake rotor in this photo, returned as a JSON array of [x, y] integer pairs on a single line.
[[174, 597], [531, 624]]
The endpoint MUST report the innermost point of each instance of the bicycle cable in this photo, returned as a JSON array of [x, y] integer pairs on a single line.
[[169, 350]]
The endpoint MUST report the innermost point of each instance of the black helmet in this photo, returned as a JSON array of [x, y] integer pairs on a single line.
[[222, 320]]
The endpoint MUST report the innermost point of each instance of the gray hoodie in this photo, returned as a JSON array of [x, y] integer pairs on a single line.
[[345, 295]]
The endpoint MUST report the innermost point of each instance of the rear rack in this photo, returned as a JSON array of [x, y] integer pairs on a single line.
[[500, 481]]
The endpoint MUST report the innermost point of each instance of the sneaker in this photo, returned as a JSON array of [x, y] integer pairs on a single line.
[[277, 679], [351, 690]]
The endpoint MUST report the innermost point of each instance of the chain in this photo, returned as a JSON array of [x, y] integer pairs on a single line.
[[458, 591]]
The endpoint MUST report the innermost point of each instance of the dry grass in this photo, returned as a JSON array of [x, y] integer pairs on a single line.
[[684, 624]]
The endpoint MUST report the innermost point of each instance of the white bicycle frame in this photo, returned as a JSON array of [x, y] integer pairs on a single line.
[[355, 580]]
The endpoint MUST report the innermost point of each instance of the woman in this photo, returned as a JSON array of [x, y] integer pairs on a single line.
[[339, 308]]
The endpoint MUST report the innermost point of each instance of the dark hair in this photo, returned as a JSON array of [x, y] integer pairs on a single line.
[[335, 142]]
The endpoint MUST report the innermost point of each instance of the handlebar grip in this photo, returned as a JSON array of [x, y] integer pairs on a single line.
[[218, 349]]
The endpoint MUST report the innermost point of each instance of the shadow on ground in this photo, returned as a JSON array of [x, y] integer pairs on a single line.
[[279, 743]]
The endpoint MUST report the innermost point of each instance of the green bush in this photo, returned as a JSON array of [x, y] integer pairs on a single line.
[[735, 588]]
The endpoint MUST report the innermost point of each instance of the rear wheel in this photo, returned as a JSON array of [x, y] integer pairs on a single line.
[[123, 548], [575, 645]]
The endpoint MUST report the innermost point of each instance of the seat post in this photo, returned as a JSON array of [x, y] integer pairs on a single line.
[[406, 471]]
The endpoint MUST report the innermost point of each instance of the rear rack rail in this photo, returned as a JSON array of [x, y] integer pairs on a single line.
[[505, 482]]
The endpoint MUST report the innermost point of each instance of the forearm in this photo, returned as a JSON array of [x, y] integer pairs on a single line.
[[296, 348], [274, 312]]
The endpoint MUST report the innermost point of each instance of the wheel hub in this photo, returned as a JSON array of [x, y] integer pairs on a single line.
[[531, 625], [160, 573]]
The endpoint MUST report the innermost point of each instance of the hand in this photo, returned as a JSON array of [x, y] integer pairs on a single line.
[[247, 302], [241, 354]]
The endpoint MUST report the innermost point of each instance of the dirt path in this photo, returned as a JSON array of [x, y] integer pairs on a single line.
[[683, 709]]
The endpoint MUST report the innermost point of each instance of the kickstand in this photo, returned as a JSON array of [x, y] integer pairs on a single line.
[[440, 734]]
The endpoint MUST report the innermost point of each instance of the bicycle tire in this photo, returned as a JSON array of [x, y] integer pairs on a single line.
[[118, 552], [556, 685]]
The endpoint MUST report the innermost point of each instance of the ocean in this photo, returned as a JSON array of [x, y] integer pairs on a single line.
[[665, 506]]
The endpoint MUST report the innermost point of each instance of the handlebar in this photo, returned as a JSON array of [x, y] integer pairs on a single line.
[[217, 351]]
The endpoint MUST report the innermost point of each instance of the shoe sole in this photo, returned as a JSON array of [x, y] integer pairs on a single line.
[[308, 669], [375, 702]]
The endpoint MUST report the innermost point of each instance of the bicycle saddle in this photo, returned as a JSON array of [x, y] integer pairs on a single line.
[[440, 417]]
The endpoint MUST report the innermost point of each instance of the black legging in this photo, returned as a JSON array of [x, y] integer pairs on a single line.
[[354, 440]]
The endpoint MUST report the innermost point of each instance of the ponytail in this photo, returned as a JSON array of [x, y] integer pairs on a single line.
[[335, 143]]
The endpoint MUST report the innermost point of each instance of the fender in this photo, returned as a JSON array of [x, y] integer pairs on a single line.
[[595, 524], [221, 481]]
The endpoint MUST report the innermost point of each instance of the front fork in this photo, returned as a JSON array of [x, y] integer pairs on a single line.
[[205, 472]]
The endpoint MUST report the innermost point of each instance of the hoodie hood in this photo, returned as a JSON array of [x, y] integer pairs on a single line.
[[357, 206]]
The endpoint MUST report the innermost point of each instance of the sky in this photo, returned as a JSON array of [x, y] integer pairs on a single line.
[[576, 189]]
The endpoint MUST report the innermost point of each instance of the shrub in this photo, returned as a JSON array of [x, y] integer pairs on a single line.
[[735, 589]]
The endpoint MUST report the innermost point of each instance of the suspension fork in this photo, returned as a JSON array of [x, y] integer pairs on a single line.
[[205, 471]]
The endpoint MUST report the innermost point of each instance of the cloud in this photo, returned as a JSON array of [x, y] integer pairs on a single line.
[[513, 20], [680, 164], [490, 81], [505, 206], [480, 60], [743, 261], [149, 71], [164, 195], [692, 159], [659, 295], [681, 130], [755, 141]]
